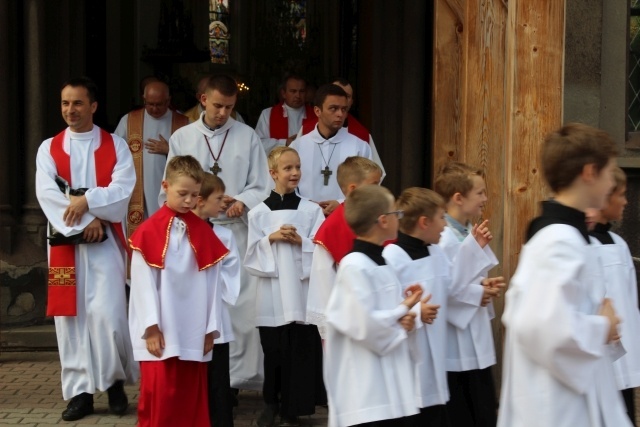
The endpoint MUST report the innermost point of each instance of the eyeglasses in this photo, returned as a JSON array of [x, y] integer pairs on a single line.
[[399, 214]]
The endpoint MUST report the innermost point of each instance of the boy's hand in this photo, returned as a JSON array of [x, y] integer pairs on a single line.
[[494, 283], [481, 233], [428, 312], [408, 321], [208, 343], [290, 234], [413, 294], [488, 294], [328, 206], [607, 310], [155, 340], [235, 210]]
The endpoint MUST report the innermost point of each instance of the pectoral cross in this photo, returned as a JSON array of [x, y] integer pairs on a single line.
[[215, 169], [326, 172]]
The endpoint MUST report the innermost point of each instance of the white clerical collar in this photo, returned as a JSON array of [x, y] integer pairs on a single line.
[[319, 139], [215, 131], [81, 135], [290, 110]]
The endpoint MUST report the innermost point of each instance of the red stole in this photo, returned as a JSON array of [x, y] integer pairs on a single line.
[[354, 127], [335, 235], [151, 239], [279, 123], [62, 259]]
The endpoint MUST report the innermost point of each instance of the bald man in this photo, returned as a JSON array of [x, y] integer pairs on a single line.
[[147, 131], [195, 112]]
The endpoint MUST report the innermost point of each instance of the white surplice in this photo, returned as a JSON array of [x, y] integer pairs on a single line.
[[152, 164], [311, 148], [183, 301], [246, 176], [432, 273], [229, 281], [620, 281], [321, 281], [95, 350], [469, 334], [263, 128], [557, 370], [368, 371], [282, 268]]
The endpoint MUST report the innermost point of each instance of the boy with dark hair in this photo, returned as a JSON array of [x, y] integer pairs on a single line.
[[175, 304], [368, 368], [557, 364], [209, 205]]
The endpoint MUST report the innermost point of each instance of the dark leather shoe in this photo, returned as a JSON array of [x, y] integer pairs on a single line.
[[118, 402], [289, 421], [268, 416], [79, 407]]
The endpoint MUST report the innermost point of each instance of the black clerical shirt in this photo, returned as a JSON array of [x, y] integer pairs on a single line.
[[277, 202], [601, 232], [557, 213], [414, 247], [371, 250]]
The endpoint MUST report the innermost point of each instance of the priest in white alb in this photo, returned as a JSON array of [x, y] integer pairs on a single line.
[[324, 148], [86, 286], [279, 125]]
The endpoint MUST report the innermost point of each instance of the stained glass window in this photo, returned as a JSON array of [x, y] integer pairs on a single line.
[[298, 16], [633, 113], [219, 35]]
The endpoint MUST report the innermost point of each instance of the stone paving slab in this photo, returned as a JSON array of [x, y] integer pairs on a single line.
[[30, 395]]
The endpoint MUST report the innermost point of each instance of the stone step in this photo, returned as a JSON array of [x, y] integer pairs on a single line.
[[38, 338]]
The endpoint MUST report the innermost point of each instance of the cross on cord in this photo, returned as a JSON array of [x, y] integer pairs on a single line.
[[326, 172], [215, 169]]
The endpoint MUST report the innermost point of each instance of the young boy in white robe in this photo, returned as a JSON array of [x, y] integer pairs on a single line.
[[334, 238], [175, 303], [368, 368], [279, 253], [416, 258], [209, 204], [620, 280], [558, 368], [470, 347]]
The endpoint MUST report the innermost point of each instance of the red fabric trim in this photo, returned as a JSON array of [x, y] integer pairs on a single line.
[[151, 239], [355, 128], [279, 124], [335, 235]]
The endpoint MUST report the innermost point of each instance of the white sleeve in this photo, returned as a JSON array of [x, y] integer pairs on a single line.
[[260, 259], [144, 300], [121, 129], [214, 293], [308, 247], [321, 281], [53, 201], [352, 312], [230, 272], [543, 314], [255, 188], [376, 157]]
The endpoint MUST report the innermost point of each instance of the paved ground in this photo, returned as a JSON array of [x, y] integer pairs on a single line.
[[30, 395]]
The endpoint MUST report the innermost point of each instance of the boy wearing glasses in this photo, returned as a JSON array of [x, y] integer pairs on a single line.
[[470, 348], [368, 369]]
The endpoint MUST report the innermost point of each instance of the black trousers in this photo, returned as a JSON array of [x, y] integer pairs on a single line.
[[473, 400], [394, 422], [220, 403], [433, 416], [293, 368], [627, 395]]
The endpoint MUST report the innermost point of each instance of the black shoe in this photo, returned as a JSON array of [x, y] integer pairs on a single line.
[[268, 416], [289, 421], [118, 402], [79, 407]]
